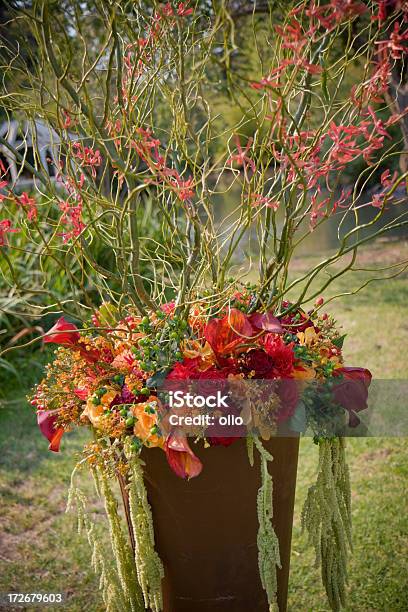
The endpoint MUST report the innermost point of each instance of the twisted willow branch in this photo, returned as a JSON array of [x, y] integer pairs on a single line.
[[326, 516]]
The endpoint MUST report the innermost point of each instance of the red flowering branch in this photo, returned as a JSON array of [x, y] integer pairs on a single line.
[[132, 211]]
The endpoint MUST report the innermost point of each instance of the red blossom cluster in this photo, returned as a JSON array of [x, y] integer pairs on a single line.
[[257, 200], [309, 158], [374, 89], [331, 15], [241, 157], [297, 34], [72, 218], [6, 228], [71, 207], [29, 205], [24, 201], [139, 54], [396, 44], [87, 157], [148, 149]]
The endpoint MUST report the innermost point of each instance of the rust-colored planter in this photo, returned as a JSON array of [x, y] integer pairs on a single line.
[[206, 529]]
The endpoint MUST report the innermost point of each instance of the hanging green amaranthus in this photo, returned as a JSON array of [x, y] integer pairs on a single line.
[[268, 544], [110, 584], [326, 516], [148, 564]]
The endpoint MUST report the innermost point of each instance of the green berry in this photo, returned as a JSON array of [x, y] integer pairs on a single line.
[[136, 444], [123, 413], [95, 401], [130, 421], [145, 391], [174, 336]]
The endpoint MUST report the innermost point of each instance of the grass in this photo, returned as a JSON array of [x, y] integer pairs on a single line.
[[40, 549]]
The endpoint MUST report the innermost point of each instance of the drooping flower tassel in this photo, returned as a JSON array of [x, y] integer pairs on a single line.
[[120, 547], [109, 583], [268, 544], [149, 567], [326, 516]]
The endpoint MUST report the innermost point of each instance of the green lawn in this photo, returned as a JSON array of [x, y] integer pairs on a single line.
[[40, 549]]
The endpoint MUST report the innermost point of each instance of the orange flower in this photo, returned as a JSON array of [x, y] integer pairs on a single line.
[[146, 422], [108, 397], [309, 337], [93, 413], [193, 348], [304, 373]]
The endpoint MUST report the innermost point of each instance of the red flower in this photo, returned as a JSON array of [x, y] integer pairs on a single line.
[[180, 457], [183, 11], [168, 308], [352, 391], [188, 368], [63, 333], [295, 321], [226, 334], [241, 156], [5, 228], [29, 205], [259, 362], [46, 420], [282, 355], [81, 393]]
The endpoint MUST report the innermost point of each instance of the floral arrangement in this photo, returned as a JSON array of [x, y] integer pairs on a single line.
[[107, 378]]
